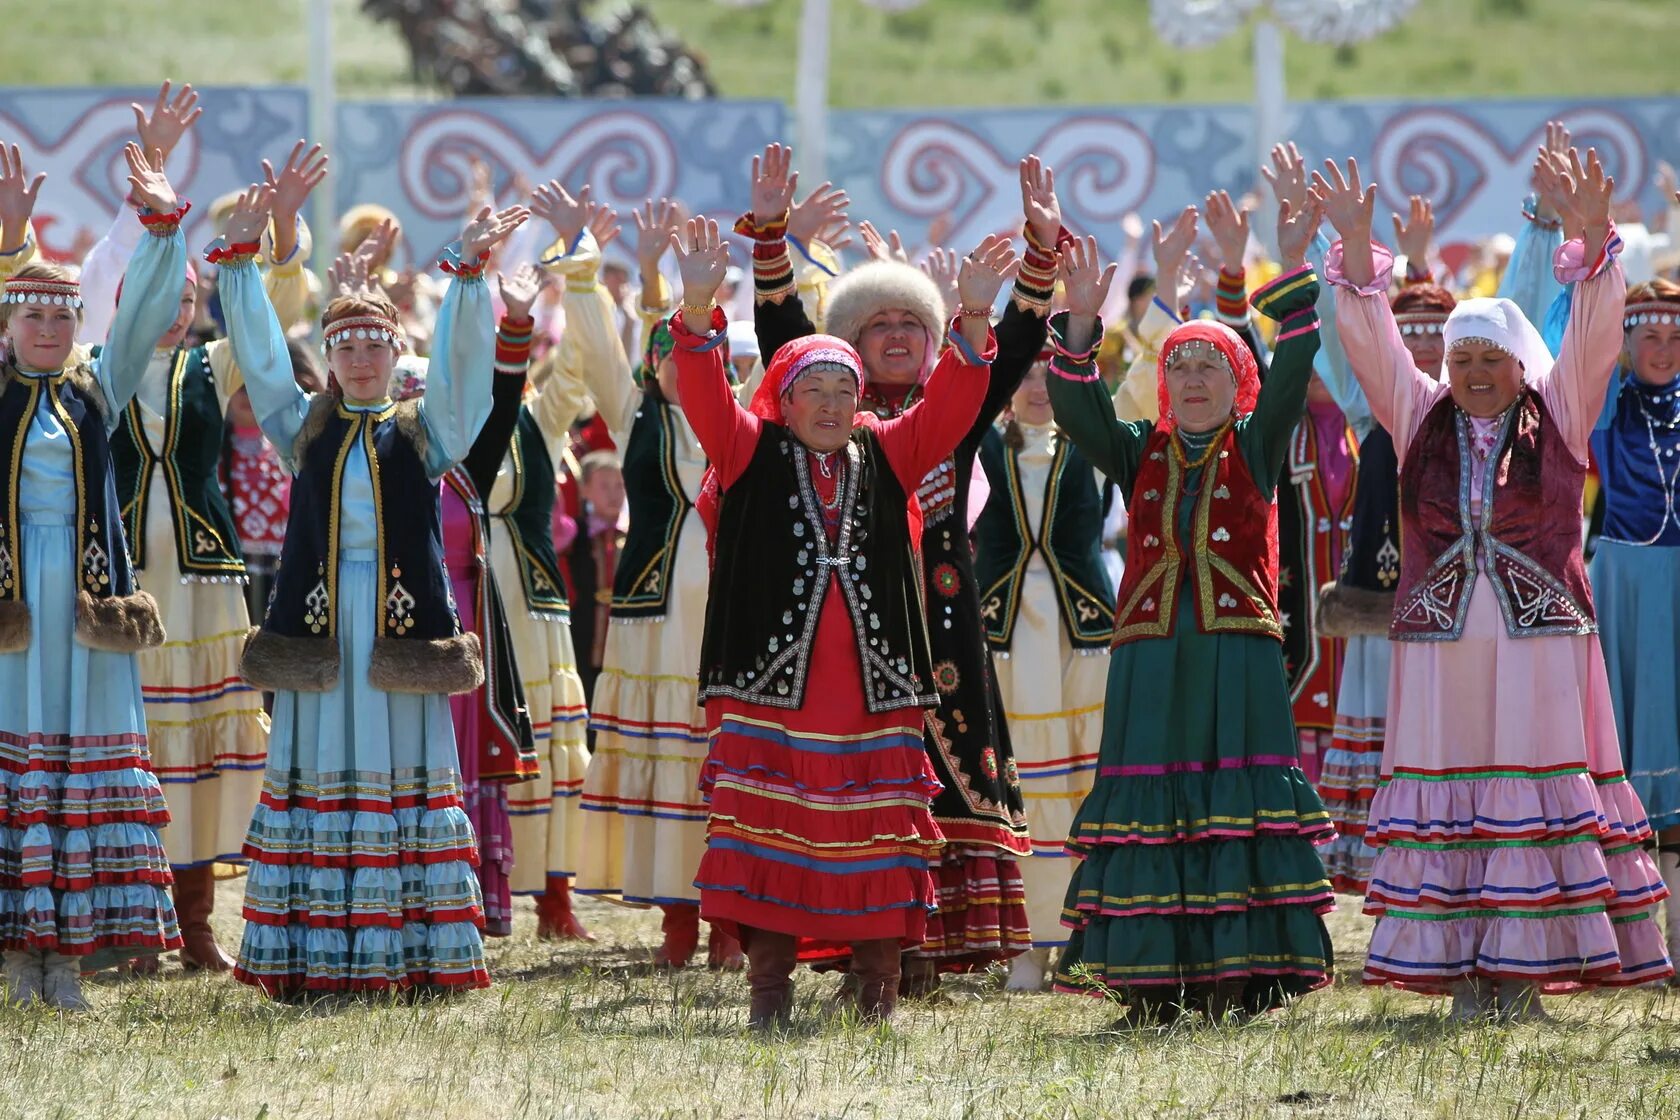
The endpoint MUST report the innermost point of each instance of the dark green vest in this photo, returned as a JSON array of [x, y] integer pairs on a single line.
[[658, 506], [1070, 540], [206, 542], [529, 520]]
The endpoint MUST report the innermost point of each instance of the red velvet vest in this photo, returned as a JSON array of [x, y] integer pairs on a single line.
[[1232, 552], [1526, 536]]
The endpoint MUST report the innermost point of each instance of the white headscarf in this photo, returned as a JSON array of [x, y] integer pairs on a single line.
[[1502, 323]]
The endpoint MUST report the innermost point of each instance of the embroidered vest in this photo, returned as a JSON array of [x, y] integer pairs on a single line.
[[111, 612], [1310, 529], [1372, 560], [1069, 539], [510, 755], [658, 507], [528, 521], [419, 645], [1526, 536], [771, 573], [206, 540], [1229, 562]]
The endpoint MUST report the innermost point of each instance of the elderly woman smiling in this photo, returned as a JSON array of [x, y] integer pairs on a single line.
[[1199, 888]]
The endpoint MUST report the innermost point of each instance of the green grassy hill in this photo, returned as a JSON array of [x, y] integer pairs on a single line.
[[946, 52]]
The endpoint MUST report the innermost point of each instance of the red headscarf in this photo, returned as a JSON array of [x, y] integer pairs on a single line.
[[1244, 370]]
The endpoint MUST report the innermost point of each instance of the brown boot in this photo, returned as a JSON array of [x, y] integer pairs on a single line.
[[723, 952], [771, 958], [876, 966], [920, 977], [195, 898]]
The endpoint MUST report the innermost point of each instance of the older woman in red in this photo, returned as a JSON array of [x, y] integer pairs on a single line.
[[814, 667]]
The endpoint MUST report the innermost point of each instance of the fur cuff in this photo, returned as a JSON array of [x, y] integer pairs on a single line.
[[1347, 612], [119, 624], [447, 665], [274, 661], [14, 626]]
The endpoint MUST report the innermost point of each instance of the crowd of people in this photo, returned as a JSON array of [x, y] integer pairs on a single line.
[[871, 618]]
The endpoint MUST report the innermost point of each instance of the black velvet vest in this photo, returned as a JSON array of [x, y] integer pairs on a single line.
[[1069, 540], [419, 645], [111, 613], [658, 507], [206, 541], [771, 572], [529, 520]]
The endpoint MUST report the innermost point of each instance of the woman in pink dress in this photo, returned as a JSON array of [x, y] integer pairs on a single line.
[[1509, 859]]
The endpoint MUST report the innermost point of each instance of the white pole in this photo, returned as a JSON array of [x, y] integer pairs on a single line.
[[811, 90], [1271, 97], [323, 127]]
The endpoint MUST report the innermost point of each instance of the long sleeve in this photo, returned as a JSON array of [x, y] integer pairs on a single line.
[[1528, 281], [591, 351], [102, 271], [457, 398], [726, 431], [1020, 334], [258, 348], [1397, 391], [1083, 412], [1136, 398], [1288, 301], [22, 255], [286, 281], [555, 407], [507, 396], [151, 300], [779, 314], [916, 440], [1331, 363], [1574, 388]]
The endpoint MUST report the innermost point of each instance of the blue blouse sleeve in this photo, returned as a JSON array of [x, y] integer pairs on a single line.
[[1331, 362], [457, 399], [259, 348], [1529, 281], [151, 298]]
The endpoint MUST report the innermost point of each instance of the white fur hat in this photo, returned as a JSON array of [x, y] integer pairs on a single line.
[[858, 295]]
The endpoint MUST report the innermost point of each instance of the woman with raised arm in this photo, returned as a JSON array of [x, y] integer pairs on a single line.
[[815, 667], [1507, 835], [362, 857], [1198, 886], [894, 315], [83, 874]]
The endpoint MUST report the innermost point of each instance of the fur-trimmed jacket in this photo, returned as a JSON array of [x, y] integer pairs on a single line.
[[111, 612], [419, 645]]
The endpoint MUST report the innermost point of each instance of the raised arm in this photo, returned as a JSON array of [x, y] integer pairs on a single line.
[[458, 380], [151, 296], [507, 392], [778, 314], [289, 242], [726, 431]]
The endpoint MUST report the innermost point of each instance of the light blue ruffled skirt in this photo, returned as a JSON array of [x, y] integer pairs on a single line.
[[1637, 592]]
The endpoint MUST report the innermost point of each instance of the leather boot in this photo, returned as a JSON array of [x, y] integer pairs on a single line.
[[723, 952], [681, 926], [555, 919], [771, 958], [876, 966], [920, 977], [195, 898]]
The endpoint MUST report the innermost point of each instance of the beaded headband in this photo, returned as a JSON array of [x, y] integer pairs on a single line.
[[1471, 339], [1650, 311], [375, 327], [52, 293], [1420, 322], [1198, 348]]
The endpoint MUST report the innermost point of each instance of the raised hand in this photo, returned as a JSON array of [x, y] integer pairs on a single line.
[[603, 224], [1171, 247], [17, 194], [1084, 278], [773, 184], [1295, 229], [147, 183], [520, 291], [1287, 176], [376, 247], [249, 217], [822, 209], [1043, 210], [348, 275], [942, 266], [1580, 193], [702, 261], [1413, 233], [1347, 202], [1229, 227], [169, 120], [490, 228], [302, 173], [656, 222], [568, 215], [889, 248], [983, 271]]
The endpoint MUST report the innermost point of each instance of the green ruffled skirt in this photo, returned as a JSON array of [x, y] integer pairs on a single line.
[[1197, 850]]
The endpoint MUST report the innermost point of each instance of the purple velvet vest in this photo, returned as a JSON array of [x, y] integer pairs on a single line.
[[1526, 536]]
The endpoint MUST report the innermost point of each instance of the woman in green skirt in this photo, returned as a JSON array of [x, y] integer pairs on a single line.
[[1198, 886]]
